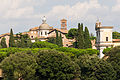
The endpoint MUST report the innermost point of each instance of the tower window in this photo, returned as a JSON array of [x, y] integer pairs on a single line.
[[63, 23], [45, 33], [31, 36], [106, 38], [41, 33]]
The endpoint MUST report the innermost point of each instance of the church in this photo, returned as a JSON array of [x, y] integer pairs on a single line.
[[44, 32]]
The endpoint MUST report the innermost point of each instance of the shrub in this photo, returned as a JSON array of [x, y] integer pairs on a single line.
[[43, 44], [105, 51]]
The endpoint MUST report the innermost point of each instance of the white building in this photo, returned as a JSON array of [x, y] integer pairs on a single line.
[[103, 37]]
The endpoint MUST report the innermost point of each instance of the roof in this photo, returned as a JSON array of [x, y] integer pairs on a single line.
[[44, 26], [62, 31], [116, 40], [106, 27], [2, 35], [63, 20], [35, 28]]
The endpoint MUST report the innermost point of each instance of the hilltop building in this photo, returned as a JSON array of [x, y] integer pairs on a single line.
[[104, 38], [44, 32]]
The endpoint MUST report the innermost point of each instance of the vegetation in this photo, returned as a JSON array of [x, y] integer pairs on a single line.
[[87, 39], [3, 43], [11, 40], [116, 35]]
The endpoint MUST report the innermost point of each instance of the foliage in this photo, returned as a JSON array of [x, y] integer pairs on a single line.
[[78, 52], [92, 37], [11, 40], [114, 59], [92, 68], [87, 40], [19, 65], [43, 44], [52, 40], [3, 43], [116, 35], [105, 51], [60, 40], [80, 36], [72, 33], [57, 38], [53, 65]]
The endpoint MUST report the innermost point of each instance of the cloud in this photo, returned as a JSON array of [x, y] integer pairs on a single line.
[[18, 8]]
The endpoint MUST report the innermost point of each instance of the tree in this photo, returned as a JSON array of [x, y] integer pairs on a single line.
[[3, 43], [52, 40], [60, 40], [57, 38], [116, 35], [80, 37], [93, 68], [87, 39], [53, 65], [19, 65], [72, 33], [28, 43], [11, 40], [114, 59], [22, 42]]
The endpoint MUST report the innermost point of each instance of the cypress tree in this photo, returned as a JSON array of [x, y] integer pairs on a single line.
[[80, 37], [57, 38], [11, 40], [29, 43], [22, 42], [87, 39], [3, 43], [61, 43]]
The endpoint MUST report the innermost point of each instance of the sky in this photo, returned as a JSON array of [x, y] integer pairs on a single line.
[[21, 15]]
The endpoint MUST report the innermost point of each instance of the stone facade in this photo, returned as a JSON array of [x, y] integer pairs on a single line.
[[44, 32]]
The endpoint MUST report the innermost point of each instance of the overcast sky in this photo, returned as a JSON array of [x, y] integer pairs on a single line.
[[21, 15]]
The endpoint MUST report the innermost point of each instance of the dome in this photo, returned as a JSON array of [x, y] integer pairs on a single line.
[[44, 26]]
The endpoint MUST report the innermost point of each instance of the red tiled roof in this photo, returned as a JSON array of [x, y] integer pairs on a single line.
[[116, 40]]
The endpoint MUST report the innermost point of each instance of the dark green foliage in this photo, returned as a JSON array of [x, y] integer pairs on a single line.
[[57, 38], [80, 36], [55, 66], [114, 59], [19, 65], [78, 52], [92, 37], [105, 51], [52, 40], [87, 39], [92, 68], [11, 40], [43, 44], [60, 40], [116, 35], [22, 42], [3, 43], [72, 33]]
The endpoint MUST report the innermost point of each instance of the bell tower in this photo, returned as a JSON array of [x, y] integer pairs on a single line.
[[63, 24]]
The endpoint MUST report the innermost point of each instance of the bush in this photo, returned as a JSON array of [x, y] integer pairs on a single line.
[[44, 44], [105, 51]]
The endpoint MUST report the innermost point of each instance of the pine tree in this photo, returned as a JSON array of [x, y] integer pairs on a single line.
[[3, 43], [11, 40], [61, 43], [80, 37], [87, 39]]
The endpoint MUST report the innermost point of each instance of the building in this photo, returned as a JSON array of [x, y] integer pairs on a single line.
[[104, 38], [44, 32]]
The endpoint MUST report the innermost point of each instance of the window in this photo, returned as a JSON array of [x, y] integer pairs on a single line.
[[63, 23], [31, 31], [66, 44], [106, 38], [31, 36], [45, 33], [106, 46], [41, 33]]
